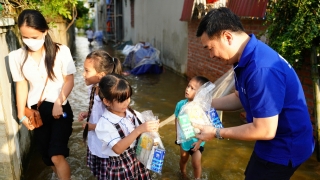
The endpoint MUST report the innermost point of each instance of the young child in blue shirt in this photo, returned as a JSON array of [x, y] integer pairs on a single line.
[[193, 147]]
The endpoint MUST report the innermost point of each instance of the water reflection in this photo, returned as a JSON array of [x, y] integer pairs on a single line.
[[222, 159]]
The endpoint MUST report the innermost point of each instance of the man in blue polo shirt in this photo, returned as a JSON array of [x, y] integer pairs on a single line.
[[269, 90]]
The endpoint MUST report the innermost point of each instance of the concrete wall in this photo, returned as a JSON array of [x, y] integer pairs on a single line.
[[61, 35], [14, 144], [158, 22], [15, 139]]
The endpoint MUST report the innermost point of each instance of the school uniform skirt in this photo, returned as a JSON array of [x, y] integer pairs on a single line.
[[97, 165], [126, 167]]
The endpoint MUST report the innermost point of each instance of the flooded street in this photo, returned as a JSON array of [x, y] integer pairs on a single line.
[[221, 160]]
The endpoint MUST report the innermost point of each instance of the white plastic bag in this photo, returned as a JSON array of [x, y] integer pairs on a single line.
[[150, 150], [195, 112]]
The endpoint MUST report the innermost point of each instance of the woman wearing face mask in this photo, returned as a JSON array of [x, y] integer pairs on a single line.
[[46, 67]]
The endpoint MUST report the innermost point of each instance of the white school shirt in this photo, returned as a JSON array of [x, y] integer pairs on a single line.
[[89, 34], [94, 144], [36, 74], [108, 133]]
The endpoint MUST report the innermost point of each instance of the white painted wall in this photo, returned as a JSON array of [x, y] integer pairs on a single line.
[[158, 22]]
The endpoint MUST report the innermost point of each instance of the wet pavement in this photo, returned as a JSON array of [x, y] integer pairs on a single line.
[[221, 160]]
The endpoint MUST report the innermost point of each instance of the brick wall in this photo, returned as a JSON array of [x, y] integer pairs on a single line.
[[305, 77], [199, 62]]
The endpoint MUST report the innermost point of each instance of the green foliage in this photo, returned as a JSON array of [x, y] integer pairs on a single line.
[[294, 26], [82, 23], [54, 8], [81, 10]]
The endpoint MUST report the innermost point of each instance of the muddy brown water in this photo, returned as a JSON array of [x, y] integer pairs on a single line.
[[221, 160]]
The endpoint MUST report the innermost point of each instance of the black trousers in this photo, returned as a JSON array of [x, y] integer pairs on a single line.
[[260, 169], [53, 136]]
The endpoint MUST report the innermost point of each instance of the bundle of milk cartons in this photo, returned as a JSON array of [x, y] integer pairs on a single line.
[[197, 111], [150, 150]]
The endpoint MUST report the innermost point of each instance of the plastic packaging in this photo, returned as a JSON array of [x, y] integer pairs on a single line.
[[197, 111], [150, 150], [214, 118], [64, 115]]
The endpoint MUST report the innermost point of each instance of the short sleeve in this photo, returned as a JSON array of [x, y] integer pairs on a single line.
[[15, 62], [178, 107], [266, 92], [176, 111], [65, 56], [107, 133]]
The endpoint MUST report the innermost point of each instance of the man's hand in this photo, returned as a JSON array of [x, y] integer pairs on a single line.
[[206, 132]]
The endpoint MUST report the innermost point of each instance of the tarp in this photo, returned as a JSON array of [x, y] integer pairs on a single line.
[[142, 58]]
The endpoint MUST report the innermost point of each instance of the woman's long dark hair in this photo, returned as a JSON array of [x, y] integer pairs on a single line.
[[34, 19]]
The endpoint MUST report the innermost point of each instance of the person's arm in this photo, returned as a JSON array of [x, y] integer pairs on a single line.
[[91, 127], [21, 98], [259, 129], [229, 102], [65, 91], [82, 115], [196, 145], [123, 144]]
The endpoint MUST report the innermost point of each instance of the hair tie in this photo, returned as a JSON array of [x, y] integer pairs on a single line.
[[113, 59]]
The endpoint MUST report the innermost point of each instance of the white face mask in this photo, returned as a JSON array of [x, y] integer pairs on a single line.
[[34, 44]]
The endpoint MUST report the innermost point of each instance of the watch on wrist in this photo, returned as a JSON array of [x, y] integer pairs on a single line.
[[218, 136]]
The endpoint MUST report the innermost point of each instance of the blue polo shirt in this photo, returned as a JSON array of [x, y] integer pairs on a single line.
[[269, 86]]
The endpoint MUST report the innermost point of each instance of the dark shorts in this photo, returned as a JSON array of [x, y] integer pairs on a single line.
[[90, 40], [258, 169], [201, 149], [53, 136]]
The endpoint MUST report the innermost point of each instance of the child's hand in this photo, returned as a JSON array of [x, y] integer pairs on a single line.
[[82, 116], [149, 126], [196, 145], [91, 127]]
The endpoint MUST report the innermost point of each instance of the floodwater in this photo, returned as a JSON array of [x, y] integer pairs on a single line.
[[221, 160]]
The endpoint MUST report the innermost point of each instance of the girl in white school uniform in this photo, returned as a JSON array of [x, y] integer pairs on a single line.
[[97, 64], [119, 129], [44, 66]]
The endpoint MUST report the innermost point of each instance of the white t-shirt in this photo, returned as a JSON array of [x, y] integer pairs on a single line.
[[95, 144], [89, 34], [108, 133], [36, 74]]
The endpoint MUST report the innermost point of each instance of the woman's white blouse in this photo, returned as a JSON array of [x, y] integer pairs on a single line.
[[94, 144], [108, 133], [36, 74]]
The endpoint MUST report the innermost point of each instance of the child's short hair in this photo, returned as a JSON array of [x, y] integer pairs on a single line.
[[114, 87], [200, 79], [103, 62]]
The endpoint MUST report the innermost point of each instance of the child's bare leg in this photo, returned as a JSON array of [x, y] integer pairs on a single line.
[[184, 156], [196, 164]]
